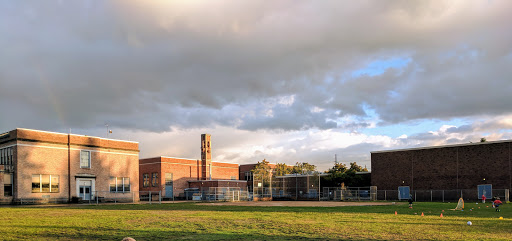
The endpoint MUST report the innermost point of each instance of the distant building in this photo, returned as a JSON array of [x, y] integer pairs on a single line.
[[245, 173], [451, 167], [41, 166], [172, 176]]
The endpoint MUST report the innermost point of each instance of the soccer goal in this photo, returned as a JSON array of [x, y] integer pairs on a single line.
[[460, 205]]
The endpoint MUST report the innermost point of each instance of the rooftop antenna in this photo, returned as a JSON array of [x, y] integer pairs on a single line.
[[108, 130]]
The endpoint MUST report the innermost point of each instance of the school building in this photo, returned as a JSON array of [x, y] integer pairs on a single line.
[[451, 167], [172, 176], [39, 165]]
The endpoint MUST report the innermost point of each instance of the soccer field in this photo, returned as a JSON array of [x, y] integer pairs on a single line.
[[190, 221]]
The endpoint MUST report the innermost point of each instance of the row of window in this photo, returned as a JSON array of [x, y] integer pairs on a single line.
[[6, 156], [45, 183], [154, 179], [120, 184]]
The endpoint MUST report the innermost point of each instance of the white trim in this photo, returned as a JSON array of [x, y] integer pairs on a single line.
[[75, 149], [7, 146], [177, 158], [59, 133], [93, 186], [445, 146]]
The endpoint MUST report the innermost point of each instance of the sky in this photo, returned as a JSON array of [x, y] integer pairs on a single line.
[[285, 81]]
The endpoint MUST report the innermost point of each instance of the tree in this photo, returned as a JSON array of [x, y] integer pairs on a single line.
[[341, 174], [282, 169], [357, 168], [483, 139], [303, 168], [261, 171]]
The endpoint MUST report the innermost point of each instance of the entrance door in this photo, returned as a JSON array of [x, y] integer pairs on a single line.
[[85, 189], [403, 192], [85, 192], [486, 190], [168, 185]]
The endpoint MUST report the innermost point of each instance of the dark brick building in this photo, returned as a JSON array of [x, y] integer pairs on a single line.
[[450, 167]]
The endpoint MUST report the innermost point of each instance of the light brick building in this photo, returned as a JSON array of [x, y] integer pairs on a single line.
[[40, 165], [172, 175]]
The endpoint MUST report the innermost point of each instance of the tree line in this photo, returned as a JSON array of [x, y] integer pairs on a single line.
[[339, 174]]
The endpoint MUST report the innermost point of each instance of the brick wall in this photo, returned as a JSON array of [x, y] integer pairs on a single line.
[[448, 167], [40, 152]]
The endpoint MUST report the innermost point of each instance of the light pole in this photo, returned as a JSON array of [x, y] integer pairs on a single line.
[[270, 177]]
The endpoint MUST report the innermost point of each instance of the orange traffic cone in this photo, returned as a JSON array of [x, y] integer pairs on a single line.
[[396, 213], [441, 215], [422, 214]]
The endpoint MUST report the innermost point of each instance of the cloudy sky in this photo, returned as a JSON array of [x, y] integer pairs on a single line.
[[289, 81]]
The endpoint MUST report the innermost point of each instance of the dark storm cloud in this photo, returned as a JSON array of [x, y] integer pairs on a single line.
[[155, 66]]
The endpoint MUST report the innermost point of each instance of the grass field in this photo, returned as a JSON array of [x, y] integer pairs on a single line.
[[189, 221]]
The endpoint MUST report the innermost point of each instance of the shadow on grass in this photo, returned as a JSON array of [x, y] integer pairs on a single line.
[[428, 208], [97, 233]]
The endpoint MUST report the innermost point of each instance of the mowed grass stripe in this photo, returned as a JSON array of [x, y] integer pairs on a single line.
[[189, 221]]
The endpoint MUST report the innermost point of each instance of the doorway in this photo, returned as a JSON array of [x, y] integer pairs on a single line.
[[169, 185]]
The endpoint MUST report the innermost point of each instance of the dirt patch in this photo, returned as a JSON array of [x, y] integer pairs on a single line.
[[297, 204]]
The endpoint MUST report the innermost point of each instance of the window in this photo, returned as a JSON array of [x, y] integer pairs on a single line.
[[154, 179], [168, 179], [119, 184], [145, 180], [85, 159], [7, 184], [45, 183], [248, 176], [6, 156], [113, 184]]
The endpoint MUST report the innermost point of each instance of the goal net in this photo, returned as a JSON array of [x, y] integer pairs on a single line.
[[460, 204]]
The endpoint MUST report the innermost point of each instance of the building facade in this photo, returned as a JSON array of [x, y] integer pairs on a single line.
[[172, 176], [40, 165], [450, 167]]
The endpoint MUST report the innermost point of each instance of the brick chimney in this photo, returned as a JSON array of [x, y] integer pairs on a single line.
[[206, 156]]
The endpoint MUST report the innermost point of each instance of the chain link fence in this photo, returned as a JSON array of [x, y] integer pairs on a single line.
[[442, 195]]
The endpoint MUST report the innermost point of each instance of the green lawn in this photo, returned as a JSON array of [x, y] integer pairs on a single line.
[[188, 221]]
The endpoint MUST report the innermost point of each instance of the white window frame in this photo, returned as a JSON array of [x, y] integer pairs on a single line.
[[122, 180], [90, 161], [41, 183]]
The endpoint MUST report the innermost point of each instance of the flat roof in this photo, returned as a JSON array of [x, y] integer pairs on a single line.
[[59, 133], [223, 180], [444, 146]]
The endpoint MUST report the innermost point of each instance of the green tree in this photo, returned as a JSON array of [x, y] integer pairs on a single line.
[[303, 168], [357, 168], [483, 139], [339, 174], [282, 169], [262, 171]]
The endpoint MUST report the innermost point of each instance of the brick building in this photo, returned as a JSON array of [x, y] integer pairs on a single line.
[[245, 173], [40, 165], [173, 175], [451, 167]]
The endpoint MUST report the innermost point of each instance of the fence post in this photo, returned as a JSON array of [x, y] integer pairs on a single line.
[[159, 197], [443, 195], [115, 197], [385, 195], [431, 195], [96, 197], [415, 195], [133, 197], [150, 197]]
